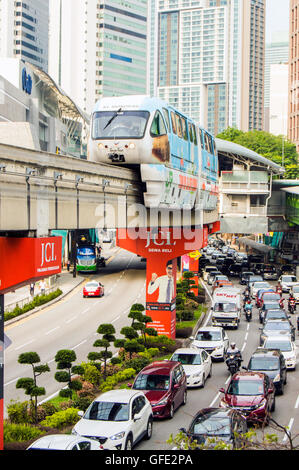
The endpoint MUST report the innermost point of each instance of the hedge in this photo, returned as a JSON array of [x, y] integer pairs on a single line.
[[36, 302], [20, 432], [61, 418]]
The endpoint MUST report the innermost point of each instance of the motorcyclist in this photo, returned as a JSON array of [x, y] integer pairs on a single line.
[[279, 289], [248, 307], [246, 296], [292, 303], [233, 350], [281, 303]]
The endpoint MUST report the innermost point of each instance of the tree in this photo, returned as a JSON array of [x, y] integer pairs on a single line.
[[130, 343], [64, 359], [275, 148], [140, 321], [107, 330], [29, 384]]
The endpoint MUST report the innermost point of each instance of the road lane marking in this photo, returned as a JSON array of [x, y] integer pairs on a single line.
[[297, 403], [82, 342], [215, 399], [23, 345], [289, 429], [117, 318], [71, 319], [86, 310], [11, 382], [51, 331]]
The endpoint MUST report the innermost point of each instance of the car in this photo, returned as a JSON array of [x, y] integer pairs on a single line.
[[287, 281], [253, 259], [252, 393], [271, 305], [213, 339], [220, 277], [275, 315], [287, 269], [207, 270], [240, 257], [257, 268], [210, 250], [224, 249], [258, 285], [244, 277], [277, 327], [65, 442], [218, 284], [164, 383], [270, 272], [210, 425], [252, 279], [235, 270], [286, 346], [118, 419], [258, 297], [272, 363], [216, 254], [197, 364], [93, 289], [295, 292], [212, 276]]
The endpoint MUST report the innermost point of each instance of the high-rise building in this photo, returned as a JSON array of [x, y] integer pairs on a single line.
[[293, 121], [98, 48], [210, 60], [276, 52], [24, 31]]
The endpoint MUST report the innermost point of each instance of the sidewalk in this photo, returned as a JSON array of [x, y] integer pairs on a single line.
[[65, 281]]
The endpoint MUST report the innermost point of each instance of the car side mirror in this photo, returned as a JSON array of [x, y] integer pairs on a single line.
[[129, 385], [137, 417], [270, 390], [245, 368], [81, 413], [183, 430], [221, 390], [212, 308], [176, 386], [192, 338]]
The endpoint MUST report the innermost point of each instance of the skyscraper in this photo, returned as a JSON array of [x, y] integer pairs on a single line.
[[24, 31], [293, 124], [98, 48], [210, 60]]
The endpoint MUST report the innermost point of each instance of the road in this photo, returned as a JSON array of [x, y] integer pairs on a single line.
[[72, 323], [247, 340]]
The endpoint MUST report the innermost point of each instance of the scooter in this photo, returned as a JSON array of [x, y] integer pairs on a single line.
[[248, 313], [233, 363], [292, 307]]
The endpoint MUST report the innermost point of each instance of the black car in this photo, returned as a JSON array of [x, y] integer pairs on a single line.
[[272, 363], [235, 270], [257, 268], [226, 425], [270, 305], [287, 269], [270, 272], [255, 259], [277, 327], [275, 315]]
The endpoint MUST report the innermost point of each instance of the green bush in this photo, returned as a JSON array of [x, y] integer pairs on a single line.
[[61, 418], [82, 403], [20, 432], [138, 363], [18, 412], [121, 376], [36, 302]]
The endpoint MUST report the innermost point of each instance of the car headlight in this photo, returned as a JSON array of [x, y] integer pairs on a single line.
[[162, 402], [276, 378], [262, 404], [118, 436], [131, 145], [218, 348]]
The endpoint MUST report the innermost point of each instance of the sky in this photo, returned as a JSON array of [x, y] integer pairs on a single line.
[[277, 17]]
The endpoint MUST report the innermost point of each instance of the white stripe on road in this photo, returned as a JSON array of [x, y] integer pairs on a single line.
[[25, 344], [51, 331], [289, 429], [11, 382], [215, 399], [79, 344], [297, 403], [117, 318]]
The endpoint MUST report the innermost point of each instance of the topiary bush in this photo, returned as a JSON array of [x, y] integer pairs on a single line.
[[61, 418], [18, 412]]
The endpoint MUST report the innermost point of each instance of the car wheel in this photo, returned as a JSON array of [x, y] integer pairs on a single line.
[[184, 398], [273, 405], [171, 411], [203, 381], [149, 429], [285, 379], [129, 443], [210, 373]]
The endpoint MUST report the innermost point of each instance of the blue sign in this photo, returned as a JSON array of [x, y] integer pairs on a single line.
[[26, 82]]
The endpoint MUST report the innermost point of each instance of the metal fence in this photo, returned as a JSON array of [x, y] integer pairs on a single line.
[[26, 300]]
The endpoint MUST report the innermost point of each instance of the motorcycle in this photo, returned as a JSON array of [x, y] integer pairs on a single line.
[[233, 363], [292, 307], [248, 313]]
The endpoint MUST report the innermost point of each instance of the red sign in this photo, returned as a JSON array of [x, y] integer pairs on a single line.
[[25, 260]]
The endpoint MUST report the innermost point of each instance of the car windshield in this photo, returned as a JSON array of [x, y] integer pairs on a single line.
[[263, 363], [280, 325], [151, 382], [211, 426], [275, 314], [119, 124], [107, 411], [260, 285], [296, 290], [284, 346], [208, 336], [245, 387], [187, 359], [289, 279], [271, 296], [92, 284], [254, 278], [274, 306], [225, 307]]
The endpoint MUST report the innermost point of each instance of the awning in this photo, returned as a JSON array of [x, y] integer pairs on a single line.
[[256, 246]]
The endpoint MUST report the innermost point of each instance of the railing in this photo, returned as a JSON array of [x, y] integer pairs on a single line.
[[26, 300], [253, 210], [244, 180]]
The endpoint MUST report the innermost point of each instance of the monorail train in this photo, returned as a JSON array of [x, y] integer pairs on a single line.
[[177, 158]]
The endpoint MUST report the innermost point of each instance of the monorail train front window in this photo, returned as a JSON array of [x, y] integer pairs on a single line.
[[119, 124]]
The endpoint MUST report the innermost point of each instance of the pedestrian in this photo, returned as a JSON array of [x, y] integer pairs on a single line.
[[32, 289], [42, 286], [68, 265]]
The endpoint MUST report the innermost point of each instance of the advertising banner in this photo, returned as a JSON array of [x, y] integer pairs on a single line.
[[25, 260]]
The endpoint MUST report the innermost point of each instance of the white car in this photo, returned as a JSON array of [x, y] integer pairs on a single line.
[[65, 442], [295, 291], [118, 419], [287, 281], [286, 346], [256, 286], [213, 339], [196, 363], [207, 270]]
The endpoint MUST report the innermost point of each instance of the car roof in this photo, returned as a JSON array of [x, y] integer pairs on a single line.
[[186, 351], [266, 352], [162, 367], [55, 441], [210, 328], [219, 412], [120, 395], [279, 338], [248, 375]]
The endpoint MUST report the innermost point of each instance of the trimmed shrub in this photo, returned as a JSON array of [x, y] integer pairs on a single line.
[[83, 403], [138, 363], [61, 418], [20, 432], [18, 412]]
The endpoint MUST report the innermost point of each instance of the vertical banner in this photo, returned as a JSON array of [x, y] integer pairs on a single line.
[[1, 367]]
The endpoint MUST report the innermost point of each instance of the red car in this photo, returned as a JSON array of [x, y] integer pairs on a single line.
[[252, 393], [93, 289], [269, 296], [164, 384]]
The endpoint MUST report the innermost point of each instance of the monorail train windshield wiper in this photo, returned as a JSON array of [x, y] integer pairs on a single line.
[[113, 117]]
